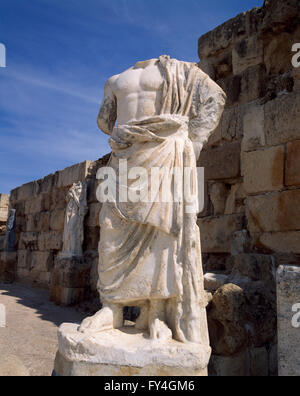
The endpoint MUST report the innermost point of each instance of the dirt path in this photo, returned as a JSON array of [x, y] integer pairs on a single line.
[[28, 344]]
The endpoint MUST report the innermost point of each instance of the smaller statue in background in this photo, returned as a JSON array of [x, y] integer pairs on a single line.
[[74, 220]]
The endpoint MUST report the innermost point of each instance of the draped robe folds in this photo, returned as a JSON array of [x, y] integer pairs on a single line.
[[151, 250]]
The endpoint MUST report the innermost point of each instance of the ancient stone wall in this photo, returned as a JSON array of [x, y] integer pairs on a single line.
[[40, 212], [251, 221]]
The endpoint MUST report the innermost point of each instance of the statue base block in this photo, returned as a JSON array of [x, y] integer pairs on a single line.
[[126, 352]]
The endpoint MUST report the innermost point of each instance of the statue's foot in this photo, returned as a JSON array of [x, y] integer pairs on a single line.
[[108, 318], [159, 331]]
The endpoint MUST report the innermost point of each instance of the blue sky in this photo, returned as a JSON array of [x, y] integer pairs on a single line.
[[59, 55]]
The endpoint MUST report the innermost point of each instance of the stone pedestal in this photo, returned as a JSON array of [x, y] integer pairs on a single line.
[[126, 352], [288, 302], [69, 279]]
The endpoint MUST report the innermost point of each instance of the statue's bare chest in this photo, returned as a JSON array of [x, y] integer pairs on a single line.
[[138, 80]]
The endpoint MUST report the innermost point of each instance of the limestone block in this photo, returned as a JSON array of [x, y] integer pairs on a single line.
[[73, 174], [282, 119], [226, 320], [47, 184], [51, 240], [274, 212], [41, 262], [213, 282], [8, 263], [222, 162], [34, 205], [24, 258], [232, 86], [28, 241], [23, 276], [257, 267], [292, 169], [231, 124], [222, 37], [57, 219], [252, 84], [263, 170], [58, 198], [42, 221], [27, 191], [218, 195], [247, 53], [288, 295], [3, 215], [284, 242], [229, 366], [277, 53], [235, 199], [126, 352], [66, 296], [4, 200], [216, 233], [253, 128], [71, 272]]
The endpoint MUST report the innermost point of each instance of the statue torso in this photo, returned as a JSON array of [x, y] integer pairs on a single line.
[[138, 92]]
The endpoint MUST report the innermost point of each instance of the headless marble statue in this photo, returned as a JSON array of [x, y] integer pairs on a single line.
[[74, 218], [150, 253]]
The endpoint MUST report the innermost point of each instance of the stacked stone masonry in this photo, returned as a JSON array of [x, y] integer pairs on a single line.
[[251, 221]]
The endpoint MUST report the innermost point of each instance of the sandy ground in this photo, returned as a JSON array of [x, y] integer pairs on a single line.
[[28, 343]]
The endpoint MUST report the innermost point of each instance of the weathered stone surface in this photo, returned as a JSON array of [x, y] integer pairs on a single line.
[[28, 241], [69, 279], [231, 124], [42, 221], [256, 267], [51, 240], [282, 119], [252, 84], [3, 215], [217, 233], [27, 191], [126, 352], [222, 37], [222, 162], [57, 219], [34, 205], [259, 362], [213, 282], [229, 366], [93, 215], [66, 296], [292, 169], [274, 212], [235, 199], [226, 318], [73, 174], [218, 195], [288, 295], [247, 53], [281, 241], [253, 127], [71, 272], [8, 264], [263, 170]]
